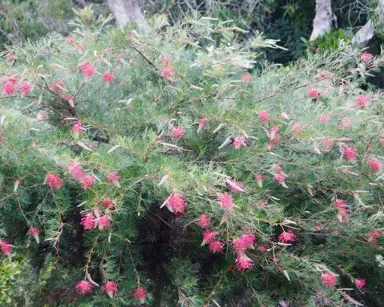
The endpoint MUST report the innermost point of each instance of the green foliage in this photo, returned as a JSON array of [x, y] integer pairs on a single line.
[[174, 77]]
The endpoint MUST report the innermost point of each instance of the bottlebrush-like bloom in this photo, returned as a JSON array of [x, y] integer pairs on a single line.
[[76, 170], [202, 124], [345, 123], [88, 221], [103, 222], [373, 236], [216, 247], [34, 231], [243, 262], [209, 236], [362, 101], [108, 76], [327, 143], [259, 179], [110, 288], [9, 88], [314, 93], [366, 57], [87, 69], [113, 176], [25, 88], [324, 118], [375, 165], [168, 72], [11, 57], [166, 60], [178, 131], [84, 287], [6, 248], [77, 128], [54, 181], [69, 40], [204, 221], [263, 248], [329, 279], [287, 236], [177, 203], [42, 115], [57, 86], [239, 142], [280, 177], [109, 204], [226, 201], [247, 77], [349, 153], [235, 186], [140, 294], [87, 181], [343, 214], [360, 283], [79, 48], [341, 203], [241, 244], [263, 116]]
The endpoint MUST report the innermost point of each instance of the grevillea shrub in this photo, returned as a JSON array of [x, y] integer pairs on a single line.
[[155, 169]]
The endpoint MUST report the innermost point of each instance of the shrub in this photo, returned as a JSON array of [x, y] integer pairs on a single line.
[[150, 165]]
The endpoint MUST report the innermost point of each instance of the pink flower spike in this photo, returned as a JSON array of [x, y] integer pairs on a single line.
[[375, 165], [324, 118], [108, 77], [84, 287], [216, 247], [314, 93], [9, 88], [260, 179], [362, 101], [87, 69], [373, 236], [25, 88], [168, 72], [114, 178], [349, 153], [140, 294], [87, 181], [239, 142], [103, 222], [202, 124], [88, 221], [263, 116], [69, 40], [178, 131], [247, 77], [54, 181], [226, 201], [327, 143], [366, 57], [243, 262], [329, 279], [110, 288], [235, 186], [79, 48], [34, 231], [76, 170], [341, 203], [6, 248], [177, 203], [109, 204], [77, 128], [204, 221], [360, 283], [280, 177], [345, 123], [11, 57], [287, 236], [208, 237]]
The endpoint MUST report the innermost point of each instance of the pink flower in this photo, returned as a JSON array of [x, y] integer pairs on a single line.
[[373, 236], [103, 222], [345, 123], [343, 214], [239, 142], [273, 136], [67, 97], [216, 247], [166, 60], [88, 221], [87, 69], [263, 248], [263, 116], [42, 115], [140, 294], [202, 124], [113, 176], [11, 57], [79, 48], [76, 170], [327, 143], [235, 186], [77, 128], [178, 131], [209, 236], [177, 203], [324, 118], [280, 177], [108, 76], [57, 86], [247, 77], [87, 181], [241, 244], [341, 203], [382, 142], [314, 93], [366, 57], [349, 153], [6, 248], [375, 165], [360, 283], [110, 288], [204, 221], [84, 287], [9, 88], [287, 236], [259, 179], [109, 204], [168, 72], [226, 201], [329, 279], [243, 262], [69, 40], [54, 181], [362, 101], [33, 231], [25, 88]]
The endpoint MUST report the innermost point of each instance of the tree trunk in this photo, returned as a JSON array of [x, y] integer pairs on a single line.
[[323, 19], [366, 33], [128, 11]]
